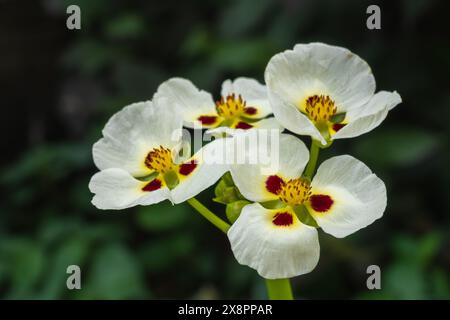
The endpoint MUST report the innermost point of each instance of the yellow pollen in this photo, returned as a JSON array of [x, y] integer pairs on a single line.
[[231, 106], [160, 160], [320, 108], [295, 192]]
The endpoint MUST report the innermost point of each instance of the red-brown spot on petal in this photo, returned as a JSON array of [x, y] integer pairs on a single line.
[[283, 219], [250, 111], [243, 125], [321, 202], [153, 185], [338, 126], [207, 120], [274, 184], [187, 168]]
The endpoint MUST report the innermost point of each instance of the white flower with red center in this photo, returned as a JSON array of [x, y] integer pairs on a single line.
[[325, 92], [243, 105], [140, 162], [269, 235]]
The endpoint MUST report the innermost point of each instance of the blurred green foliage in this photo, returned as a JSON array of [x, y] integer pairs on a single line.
[[61, 86]]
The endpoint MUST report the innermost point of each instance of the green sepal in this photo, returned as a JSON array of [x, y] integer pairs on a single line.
[[273, 204], [233, 209], [249, 120], [338, 117], [327, 139], [304, 216], [226, 123], [228, 179], [171, 179], [149, 177]]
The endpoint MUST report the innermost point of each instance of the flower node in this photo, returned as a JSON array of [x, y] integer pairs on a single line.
[[295, 192], [320, 108], [159, 159]]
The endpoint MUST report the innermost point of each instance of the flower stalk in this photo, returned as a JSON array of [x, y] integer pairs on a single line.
[[314, 156], [279, 289], [209, 215]]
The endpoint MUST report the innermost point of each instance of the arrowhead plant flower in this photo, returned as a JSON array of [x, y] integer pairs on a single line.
[[277, 234], [274, 210], [140, 162], [325, 92], [243, 105]]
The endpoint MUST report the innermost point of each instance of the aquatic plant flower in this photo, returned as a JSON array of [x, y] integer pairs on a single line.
[[141, 161], [276, 235], [326, 92], [243, 105]]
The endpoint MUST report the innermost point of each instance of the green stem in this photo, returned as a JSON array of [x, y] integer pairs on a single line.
[[279, 289], [314, 155], [206, 213]]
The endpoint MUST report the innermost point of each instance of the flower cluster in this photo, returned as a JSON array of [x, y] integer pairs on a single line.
[[317, 90]]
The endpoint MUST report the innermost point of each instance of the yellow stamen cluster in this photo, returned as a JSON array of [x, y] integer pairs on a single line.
[[159, 159], [295, 191], [231, 106], [320, 108]]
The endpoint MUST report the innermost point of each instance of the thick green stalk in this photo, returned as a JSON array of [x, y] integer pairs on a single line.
[[313, 156], [279, 289], [206, 213]]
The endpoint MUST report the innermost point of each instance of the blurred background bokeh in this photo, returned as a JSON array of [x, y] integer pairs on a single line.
[[59, 87]]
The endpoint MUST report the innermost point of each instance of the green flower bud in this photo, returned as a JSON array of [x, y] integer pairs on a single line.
[[234, 209], [220, 188]]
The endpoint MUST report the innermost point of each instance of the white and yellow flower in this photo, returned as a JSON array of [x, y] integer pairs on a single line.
[[140, 162], [326, 92], [277, 240], [243, 105]]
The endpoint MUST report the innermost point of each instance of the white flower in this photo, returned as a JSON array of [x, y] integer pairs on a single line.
[[343, 197], [138, 158], [325, 92], [243, 105]]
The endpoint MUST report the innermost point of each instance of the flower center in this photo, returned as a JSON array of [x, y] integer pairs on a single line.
[[230, 107], [160, 160], [295, 191], [320, 109]]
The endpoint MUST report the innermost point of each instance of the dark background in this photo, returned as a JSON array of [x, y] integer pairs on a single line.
[[59, 87]]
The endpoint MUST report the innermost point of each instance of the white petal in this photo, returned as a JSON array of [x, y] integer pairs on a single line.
[[264, 124], [317, 68], [268, 124], [275, 252], [253, 92], [211, 166], [191, 102], [134, 131], [116, 189], [283, 155], [359, 196], [292, 119], [369, 116]]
